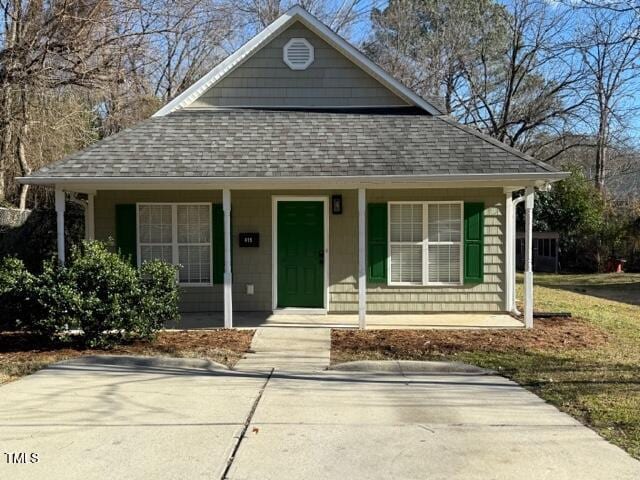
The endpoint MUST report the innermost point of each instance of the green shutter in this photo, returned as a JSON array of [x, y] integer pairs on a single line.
[[473, 242], [377, 242], [217, 256], [126, 232]]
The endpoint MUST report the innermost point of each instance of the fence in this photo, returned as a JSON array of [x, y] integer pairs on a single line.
[[12, 217]]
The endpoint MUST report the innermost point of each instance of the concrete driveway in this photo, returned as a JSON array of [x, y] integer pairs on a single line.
[[169, 419]]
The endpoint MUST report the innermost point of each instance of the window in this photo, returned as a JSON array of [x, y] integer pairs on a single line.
[[444, 242], [178, 234], [406, 231], [425, 243]]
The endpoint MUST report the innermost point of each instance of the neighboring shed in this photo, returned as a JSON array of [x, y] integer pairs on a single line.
[[545, 251]]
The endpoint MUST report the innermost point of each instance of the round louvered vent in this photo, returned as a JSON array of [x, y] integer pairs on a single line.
[[298, 54]]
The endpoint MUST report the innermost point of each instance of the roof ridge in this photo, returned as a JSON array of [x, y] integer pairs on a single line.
[[487, 138]]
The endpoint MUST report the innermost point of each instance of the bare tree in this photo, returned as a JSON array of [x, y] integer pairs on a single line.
[[507, 70], [46, 46], [530, 86], [426, 44], [191, 43], [340, 15], [610, 59]]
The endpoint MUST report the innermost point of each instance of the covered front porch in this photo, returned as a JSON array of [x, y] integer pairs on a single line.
[[431, 321], [242, 289]]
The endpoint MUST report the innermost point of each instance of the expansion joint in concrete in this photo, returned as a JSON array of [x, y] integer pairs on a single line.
[[245, 427]]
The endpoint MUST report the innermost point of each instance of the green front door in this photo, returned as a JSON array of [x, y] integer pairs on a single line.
[[300, 254]]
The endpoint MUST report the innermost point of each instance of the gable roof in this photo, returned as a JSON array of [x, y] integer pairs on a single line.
[[296, 13], [261, 144]]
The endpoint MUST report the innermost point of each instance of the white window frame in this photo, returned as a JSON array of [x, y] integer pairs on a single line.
[[425, 244], [174, 238]]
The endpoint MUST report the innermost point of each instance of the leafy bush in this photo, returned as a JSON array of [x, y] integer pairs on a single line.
[[160, 302], [112, 293], [16, 283], [98, 292], [54, 303], [593, 228]]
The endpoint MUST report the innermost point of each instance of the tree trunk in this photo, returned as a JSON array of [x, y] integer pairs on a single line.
[[5, 141], [25, 169], [6, 106], [601, 152], [24, 166]]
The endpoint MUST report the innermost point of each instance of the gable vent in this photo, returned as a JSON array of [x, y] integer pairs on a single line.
[[298, 54]]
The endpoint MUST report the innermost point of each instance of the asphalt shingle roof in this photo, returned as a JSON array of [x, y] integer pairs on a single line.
[[262, 143]]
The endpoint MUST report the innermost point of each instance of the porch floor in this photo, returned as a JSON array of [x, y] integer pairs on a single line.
[[454, 321]]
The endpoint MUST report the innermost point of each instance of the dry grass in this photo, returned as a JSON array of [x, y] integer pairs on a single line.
[[22, 354], [588, 367]]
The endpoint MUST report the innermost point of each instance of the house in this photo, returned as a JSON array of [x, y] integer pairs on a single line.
[[297, 174]]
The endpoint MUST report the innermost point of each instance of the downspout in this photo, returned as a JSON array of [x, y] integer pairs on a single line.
[[515, 202]]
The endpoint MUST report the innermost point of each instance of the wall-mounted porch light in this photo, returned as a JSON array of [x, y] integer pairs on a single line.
[[336, 204]]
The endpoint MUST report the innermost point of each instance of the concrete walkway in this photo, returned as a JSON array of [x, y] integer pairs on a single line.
[[174, 419], [288, 349]]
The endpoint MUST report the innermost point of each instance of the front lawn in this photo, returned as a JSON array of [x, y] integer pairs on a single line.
[[22, 354], [588, 366]]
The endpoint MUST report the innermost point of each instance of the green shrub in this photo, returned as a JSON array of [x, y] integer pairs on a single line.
[[55, 303], [98, 292], [111, 293], [160, 302], [16, 286]]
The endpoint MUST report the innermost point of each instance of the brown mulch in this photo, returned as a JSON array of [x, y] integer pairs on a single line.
[[21, 354], [548, 334]]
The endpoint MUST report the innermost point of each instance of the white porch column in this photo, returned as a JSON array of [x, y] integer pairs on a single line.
[[89, 222], [362, 262], [59, 196], [528, 266], [226, 208], [509, 251]]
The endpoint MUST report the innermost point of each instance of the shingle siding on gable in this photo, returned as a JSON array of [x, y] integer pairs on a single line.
[[265, 80]]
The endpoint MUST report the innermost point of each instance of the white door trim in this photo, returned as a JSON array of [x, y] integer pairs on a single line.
[[274, 243]]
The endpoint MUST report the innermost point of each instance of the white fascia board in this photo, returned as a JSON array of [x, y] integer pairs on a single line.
[[260, 40], [513, 181]]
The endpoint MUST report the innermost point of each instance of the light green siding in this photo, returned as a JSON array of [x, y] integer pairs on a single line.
[[265, 80], [251, 212], [193, 299], [485, 297]]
